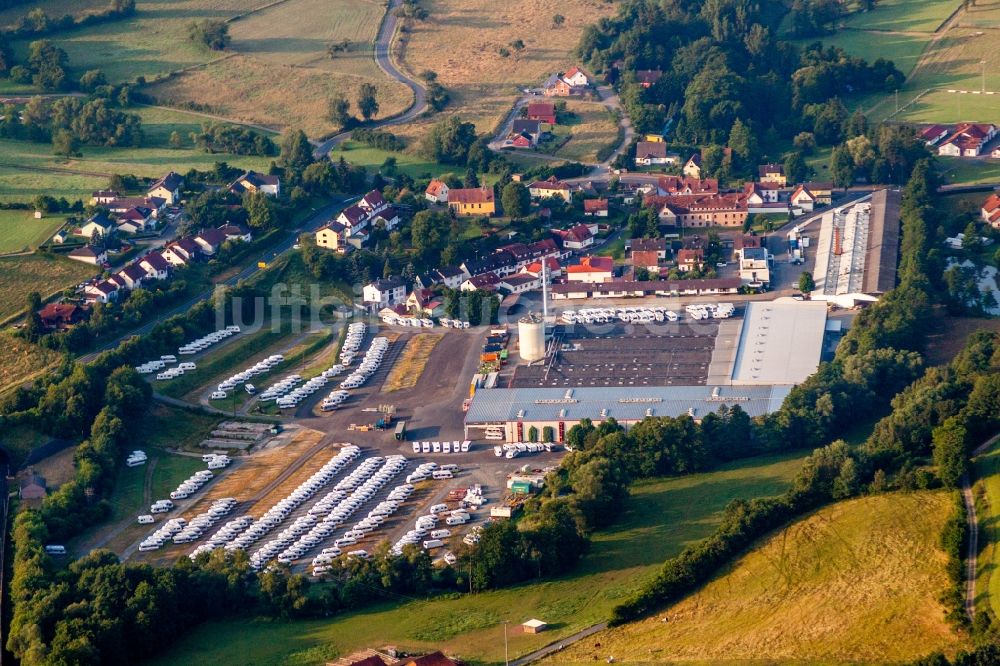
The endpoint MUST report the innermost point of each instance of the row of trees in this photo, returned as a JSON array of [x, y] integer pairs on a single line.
[[217, 138], [71, 121], [37, 22]]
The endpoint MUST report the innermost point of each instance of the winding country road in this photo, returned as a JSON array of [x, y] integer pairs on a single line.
[[385, 61]]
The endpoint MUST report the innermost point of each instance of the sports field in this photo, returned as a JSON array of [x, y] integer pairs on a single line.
[[660, 518], [45, 274], [856, 580], [19, 230], [461, 40]]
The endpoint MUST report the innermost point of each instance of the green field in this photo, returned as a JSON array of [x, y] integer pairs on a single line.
[[903, 15], [956, 170], [986, 470], [902, 49], [855, 581], [661, 517], [19, 230], [42, 273], [27, 168], [373, 158]]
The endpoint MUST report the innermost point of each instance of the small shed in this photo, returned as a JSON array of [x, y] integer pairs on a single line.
[[534, 626], [521, 487], [32, 487]]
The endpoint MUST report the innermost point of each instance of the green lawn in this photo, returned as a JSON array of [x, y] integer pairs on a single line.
[[660, 518], [903, 50], [28, 168], [373, 158], [19, 230], [986, 471], [957, 170], [615, 249], [903, 15], [169, 427]]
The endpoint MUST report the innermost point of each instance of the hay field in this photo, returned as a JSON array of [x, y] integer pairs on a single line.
[[42, 273], [856, 580], [592, 128], [407, 370], [19, 230], [461, 38], [20, 361], [282, 73]]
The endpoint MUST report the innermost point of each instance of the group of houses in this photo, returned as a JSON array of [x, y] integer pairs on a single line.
[[352, 228], [129, 215], [156, 265], [573, 81], [962, 140], [530, 129]]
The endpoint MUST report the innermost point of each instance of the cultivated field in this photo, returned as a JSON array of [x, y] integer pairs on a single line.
[[27, 168], [19, 230], [20, 360], [461, 41], [853, 581], [591, 128], [45, 274], [407, 370], [661, 517]]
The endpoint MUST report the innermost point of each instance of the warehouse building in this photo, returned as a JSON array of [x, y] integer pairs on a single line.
[[511, 413], [780, 342], [857, 250]]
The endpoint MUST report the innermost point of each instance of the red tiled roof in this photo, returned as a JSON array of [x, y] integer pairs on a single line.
[[593, 264], [687, 256], [471, 195], [686, 185], [992, 203], [541, 109], [551, 183], [969, 135], [595, 205], [650, 149], [434, 188]]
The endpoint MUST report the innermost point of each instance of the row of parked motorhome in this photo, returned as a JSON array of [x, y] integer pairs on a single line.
[[515, 449], [180, 531], [639, 314], [711, 310], [442, 447], [244, 376]]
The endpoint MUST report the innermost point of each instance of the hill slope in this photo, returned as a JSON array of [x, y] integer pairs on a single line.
[[855, 581]]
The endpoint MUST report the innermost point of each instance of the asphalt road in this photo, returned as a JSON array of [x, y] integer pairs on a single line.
[[384, 59], [285, 245]]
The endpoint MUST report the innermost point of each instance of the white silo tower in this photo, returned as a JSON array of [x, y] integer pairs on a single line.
[[531, 337]]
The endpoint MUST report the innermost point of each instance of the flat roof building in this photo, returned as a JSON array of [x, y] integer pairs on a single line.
[[858, 249], [515, 411], [780, 343]]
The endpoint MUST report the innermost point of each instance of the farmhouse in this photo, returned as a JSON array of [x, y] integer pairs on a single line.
[[437, 191], [990, 211], [543, 111], [968, 140], [252, 181], [551, 187], [167, 188], [472, 201], [89, 254]]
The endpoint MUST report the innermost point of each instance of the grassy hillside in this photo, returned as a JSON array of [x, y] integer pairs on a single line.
[[45, 274], [854, 581], [661, 517], [987, 491]]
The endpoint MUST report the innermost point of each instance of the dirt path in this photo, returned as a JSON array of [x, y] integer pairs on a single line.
[[556, 646], [971, 565], [147, 484]]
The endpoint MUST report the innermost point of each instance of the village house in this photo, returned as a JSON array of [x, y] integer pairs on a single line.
[[332, 236], [648, 153], [591, 269], [354, 219], [101, 197], [424, 303], [595, 207], [754, 265], [98, 225], [576, 238], [647, 78], [210, 240], [543, 111], [472, 201], [61, 316], [501, 263], [167, 188], [237, 232], [551, 187], [690, 259], [60, 236], [990, 211], [136, 220], [558, 87], [692, 167], [520, 283], [803, 198], [552, 267], [122, 204], [252, 181], [968, 140], [132, 276], [182, 251], [89, 254], [437, 191], [659, 246], [156, 267], [823, 191], [647, 259], [764, 198], [575, 77], [482, 282], [450, 276], [101, 292], [515, 140], [385, 292], [530, 128], [772, 173]]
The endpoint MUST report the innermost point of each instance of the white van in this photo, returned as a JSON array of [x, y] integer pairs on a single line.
[[431, 544], [55, 550], [442, 474], [145, 519], [436, 446], [249, 388]]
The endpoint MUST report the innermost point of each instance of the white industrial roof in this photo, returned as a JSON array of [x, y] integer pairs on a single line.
[[780, 343]]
